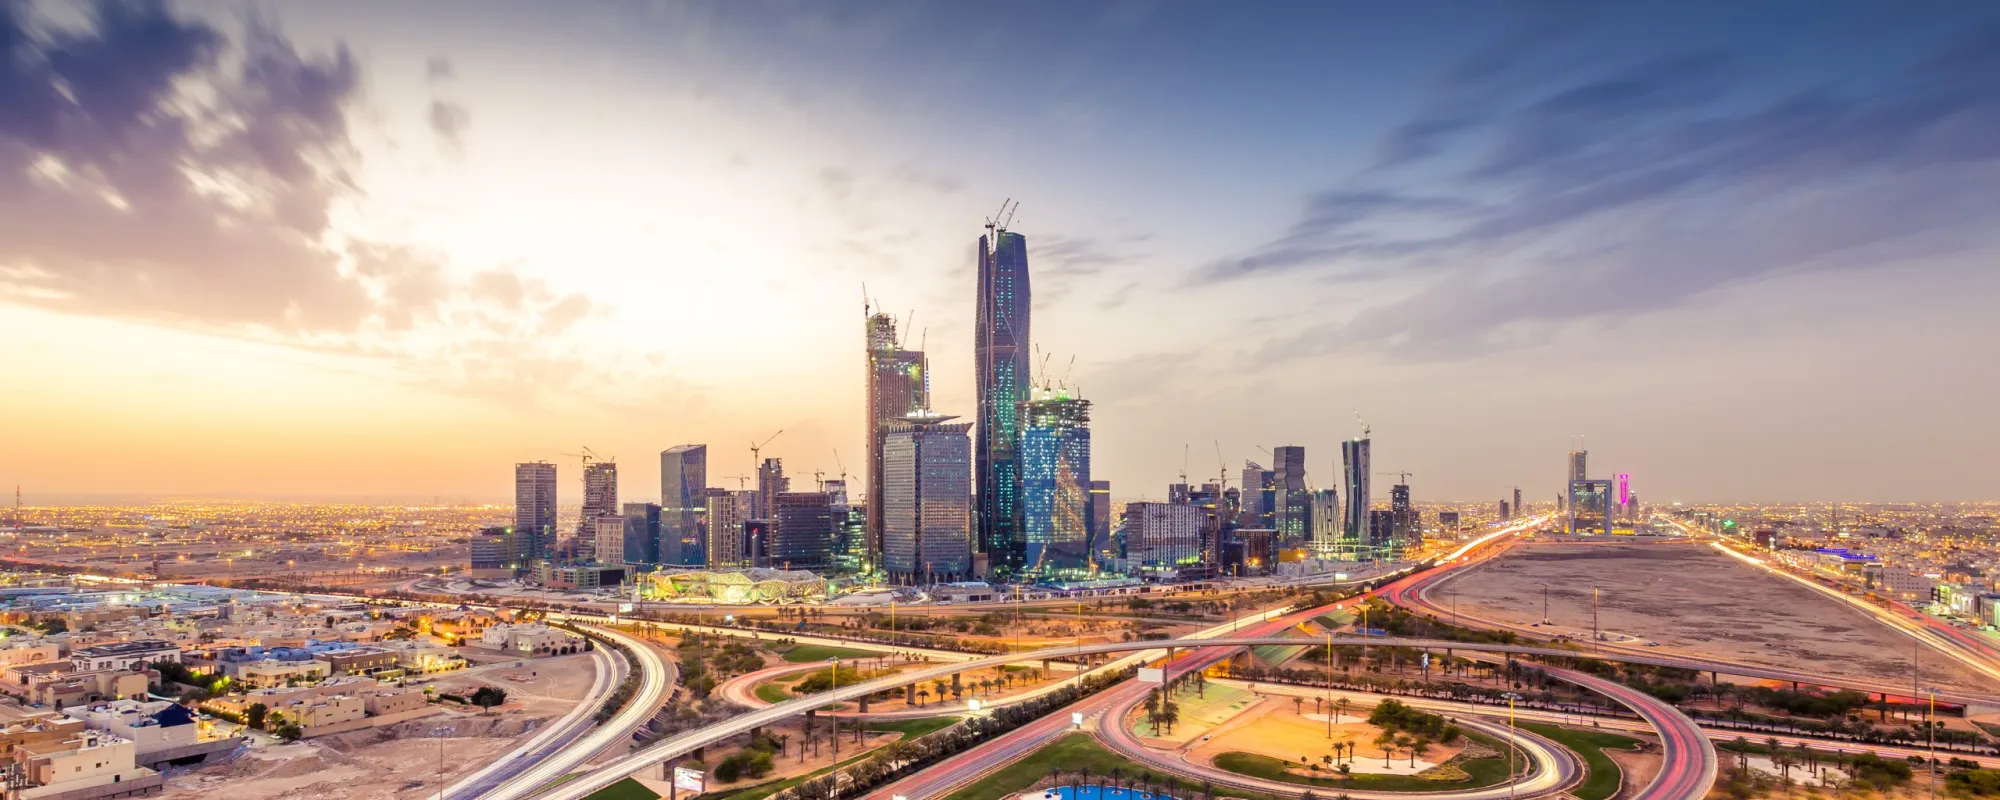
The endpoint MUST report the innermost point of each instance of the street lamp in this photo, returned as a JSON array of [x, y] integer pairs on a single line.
[[1512, 745], [1930, 734], [439, 735], [833, 719]]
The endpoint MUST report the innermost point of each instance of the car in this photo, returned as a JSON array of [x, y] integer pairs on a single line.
[[1652, 644]]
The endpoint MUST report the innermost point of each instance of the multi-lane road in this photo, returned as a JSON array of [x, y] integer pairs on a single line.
[[557, 759]]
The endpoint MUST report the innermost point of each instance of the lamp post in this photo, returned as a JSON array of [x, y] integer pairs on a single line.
[[1511, 744], [1329, 683], [1930, 734], [439, 735], [833, 720]]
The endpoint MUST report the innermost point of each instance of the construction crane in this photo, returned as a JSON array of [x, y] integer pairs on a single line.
[[1184, 463], [756, 449], [1401, 477], [1364, 423], [819, 477], [1221, 471], [740, 480], [837, 463]]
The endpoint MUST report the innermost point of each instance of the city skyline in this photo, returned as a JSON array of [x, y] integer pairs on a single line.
[[424, 282]]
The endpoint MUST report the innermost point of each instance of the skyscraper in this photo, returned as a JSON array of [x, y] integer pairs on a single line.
[[534, 510], [771, 481], [1259, 496], [600, 497], [802, 530], [725, 516], [683, 502], [898, 383], [1624, 494], [1354, 455], [1000, 356], [1577, 458], [1291, 501], [926, 500], [1100, 517], [1326, 527], [1163, 534], [1407, 529], [1055, 482], [642, 534], [1590, 507], [1517, 502]]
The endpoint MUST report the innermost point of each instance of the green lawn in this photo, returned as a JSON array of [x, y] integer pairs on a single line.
[[1484, 772], [1073, 752], [1334, 620], [763, 790], [1604, 773], [627, 789], [819, 652], [773, 692], [913, 728]]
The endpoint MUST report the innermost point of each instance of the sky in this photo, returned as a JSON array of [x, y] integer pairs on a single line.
[[385, 250]]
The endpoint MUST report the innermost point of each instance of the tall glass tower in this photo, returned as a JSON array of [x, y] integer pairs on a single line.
[[1055, 483], [1000, 356], [1354, 452], [898, 383], [683, 503]]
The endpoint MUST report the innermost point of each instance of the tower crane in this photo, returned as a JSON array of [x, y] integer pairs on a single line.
[[1184, 463], [740, 479], [1364, 423], [1401, 476], [756, 449], [819, 477]]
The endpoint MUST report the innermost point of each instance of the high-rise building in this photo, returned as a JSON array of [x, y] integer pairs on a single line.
[[898, 383], [600, 497], [1407, 529], [642, 533], [534, 510], [1354, 458], [1000, 356], [1179, 494], [802, 530], [771, 481], [1624, 480], [1326, 527], [1259, 496], [1292, 501], [1506, 511], [1055, 482], [1577, 460], [606, 542], [1381, 523], [926, 499], [1518, 509], [836, 491], [726, 514], [683, 502], [493, 550], [1163, 534], [1590, 507], [1100, 517]]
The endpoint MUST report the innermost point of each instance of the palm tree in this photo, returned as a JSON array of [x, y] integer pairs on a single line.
[[921, 694], [1385, 740], [1404, 742], [1299, 704], [1339, 706], [1418, 747]]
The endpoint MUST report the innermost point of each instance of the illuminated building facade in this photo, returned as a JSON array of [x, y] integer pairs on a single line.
[[926, 500], [642, 533], [1354, 457], [534, 510], [1590, 507], [1259, 496], [1163, 534], [898, 382], [1055, 483], [683, 502], [1100, 517], [1000, 358], [726, 514], [1292, 501], [600, 497], [802, 530]]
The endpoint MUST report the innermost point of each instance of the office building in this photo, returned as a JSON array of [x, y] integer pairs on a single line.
[[1325, 518], [683, 501], [1518, 508], [802, 530], [757, 543], [1407, 529], [1291, 501], [898, 383], [1590, 507], [493, 550], [1259, 496], [1163, 534], [1354, 457], [642, 533], [1382, 525], [1000, 361], [1577, 461], [836, 491], [771, 481], [1179, 494], [1055, 483], [726, 514], [1100, 517], [534, 510], [606, 544], [1506, 511], [927, 514], [1624, 501], [600, 497]]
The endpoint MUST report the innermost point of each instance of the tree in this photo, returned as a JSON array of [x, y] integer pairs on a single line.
[[1385, 740], [1170, 713], [1339, 706], [1418, 747], [289, 732], [254, 715], [489, 697]]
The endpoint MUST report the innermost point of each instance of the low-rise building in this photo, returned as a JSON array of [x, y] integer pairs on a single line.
[[125, 655], [359, 661], [89, 764], [272, 672], [60, 690], [533, 639]]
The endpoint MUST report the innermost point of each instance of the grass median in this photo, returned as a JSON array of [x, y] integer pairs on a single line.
[[804, 653], [1073, 752], [1605, 775]]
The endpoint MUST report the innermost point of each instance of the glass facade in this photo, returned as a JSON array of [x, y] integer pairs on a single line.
[[683, 503], [926, 500], [1000, 355], [1055, 485]]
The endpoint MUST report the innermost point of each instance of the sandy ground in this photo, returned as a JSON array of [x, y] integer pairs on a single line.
[[401, 761], [1695, 600], [788, 764], [1271, 728], [1636, 768]]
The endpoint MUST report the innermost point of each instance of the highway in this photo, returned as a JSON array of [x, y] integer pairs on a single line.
[[1413, 593], [656, 680], [550, 739]]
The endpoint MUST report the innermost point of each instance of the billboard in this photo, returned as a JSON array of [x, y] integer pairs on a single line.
[[687, 778], [1152, 675]]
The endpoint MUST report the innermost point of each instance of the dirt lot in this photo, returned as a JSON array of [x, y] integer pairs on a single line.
[[1694, 600], [400, 761]]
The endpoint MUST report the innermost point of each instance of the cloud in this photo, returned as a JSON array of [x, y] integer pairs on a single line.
[[152, 169], [1646, 185], [1061, 262], [438, 69], [449, 121]]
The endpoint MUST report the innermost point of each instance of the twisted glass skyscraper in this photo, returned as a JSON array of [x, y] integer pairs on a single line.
[[1000, 356]]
